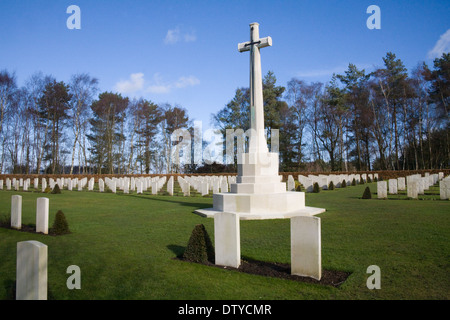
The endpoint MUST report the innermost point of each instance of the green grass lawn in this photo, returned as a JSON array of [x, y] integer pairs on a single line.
[[125, 245]]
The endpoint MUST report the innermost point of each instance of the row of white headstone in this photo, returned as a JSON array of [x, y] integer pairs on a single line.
[[324, 180], [42, 208], [202, 184], [414, 185]]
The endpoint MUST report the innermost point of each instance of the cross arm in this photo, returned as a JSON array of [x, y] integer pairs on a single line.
[[261, 43]]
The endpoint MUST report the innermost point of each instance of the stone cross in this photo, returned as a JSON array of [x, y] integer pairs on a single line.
[[257, 138]]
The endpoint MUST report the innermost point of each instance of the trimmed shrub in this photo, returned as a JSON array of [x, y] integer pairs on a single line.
[[367, 194], [316, 188], [343, 184], [298, 187], [199, 248], [48, 190], [369, 180], [56, 189], [354, 182], [331, 185], [60, 225]]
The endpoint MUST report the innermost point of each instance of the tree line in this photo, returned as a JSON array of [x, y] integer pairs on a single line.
[[383, 120], [386, 119], [52, 127]]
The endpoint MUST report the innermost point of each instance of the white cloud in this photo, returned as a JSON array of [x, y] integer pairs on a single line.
[[189, 37], [183, 82], [135, 83], [175, 35], [160, 86], [441, 46], [157, 85]]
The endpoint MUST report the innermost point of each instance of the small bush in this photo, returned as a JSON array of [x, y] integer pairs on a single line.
[[199, 248], [316, 188], [48, 190], [354, 182], [331, 185], [298, 187], [369, 180], [367, 194], [343, 184], [56, 189], [60, 225]]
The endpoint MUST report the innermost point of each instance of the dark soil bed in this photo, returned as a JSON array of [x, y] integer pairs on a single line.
[[283, 270], [31, 229]]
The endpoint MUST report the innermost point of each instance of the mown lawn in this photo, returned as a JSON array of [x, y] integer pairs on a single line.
[[125, 245]]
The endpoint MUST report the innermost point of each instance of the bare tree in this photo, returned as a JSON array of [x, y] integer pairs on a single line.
[[83, 88]]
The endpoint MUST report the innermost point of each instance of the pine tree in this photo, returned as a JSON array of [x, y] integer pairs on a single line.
[[367, 194], [60, 225], [199, 248]]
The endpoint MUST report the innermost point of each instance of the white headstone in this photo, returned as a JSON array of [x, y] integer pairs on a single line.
[[224, 186], [412, 189], [154, 187], [31, 271], [444, 189], [227, 239], [101, 185], [382, 189], [420, 185], [205, 188], [170, 186], [187, 190], [42, 207], [392, 186], [91, 184], [126, 186], [306, 247], [16, 211], [401, 184], [290, 183]]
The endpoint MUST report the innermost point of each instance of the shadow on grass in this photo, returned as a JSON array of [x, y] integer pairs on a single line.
[[177, 250], [10, 286]]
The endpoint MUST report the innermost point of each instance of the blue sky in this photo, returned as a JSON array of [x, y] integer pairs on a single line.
[[185, 52]]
